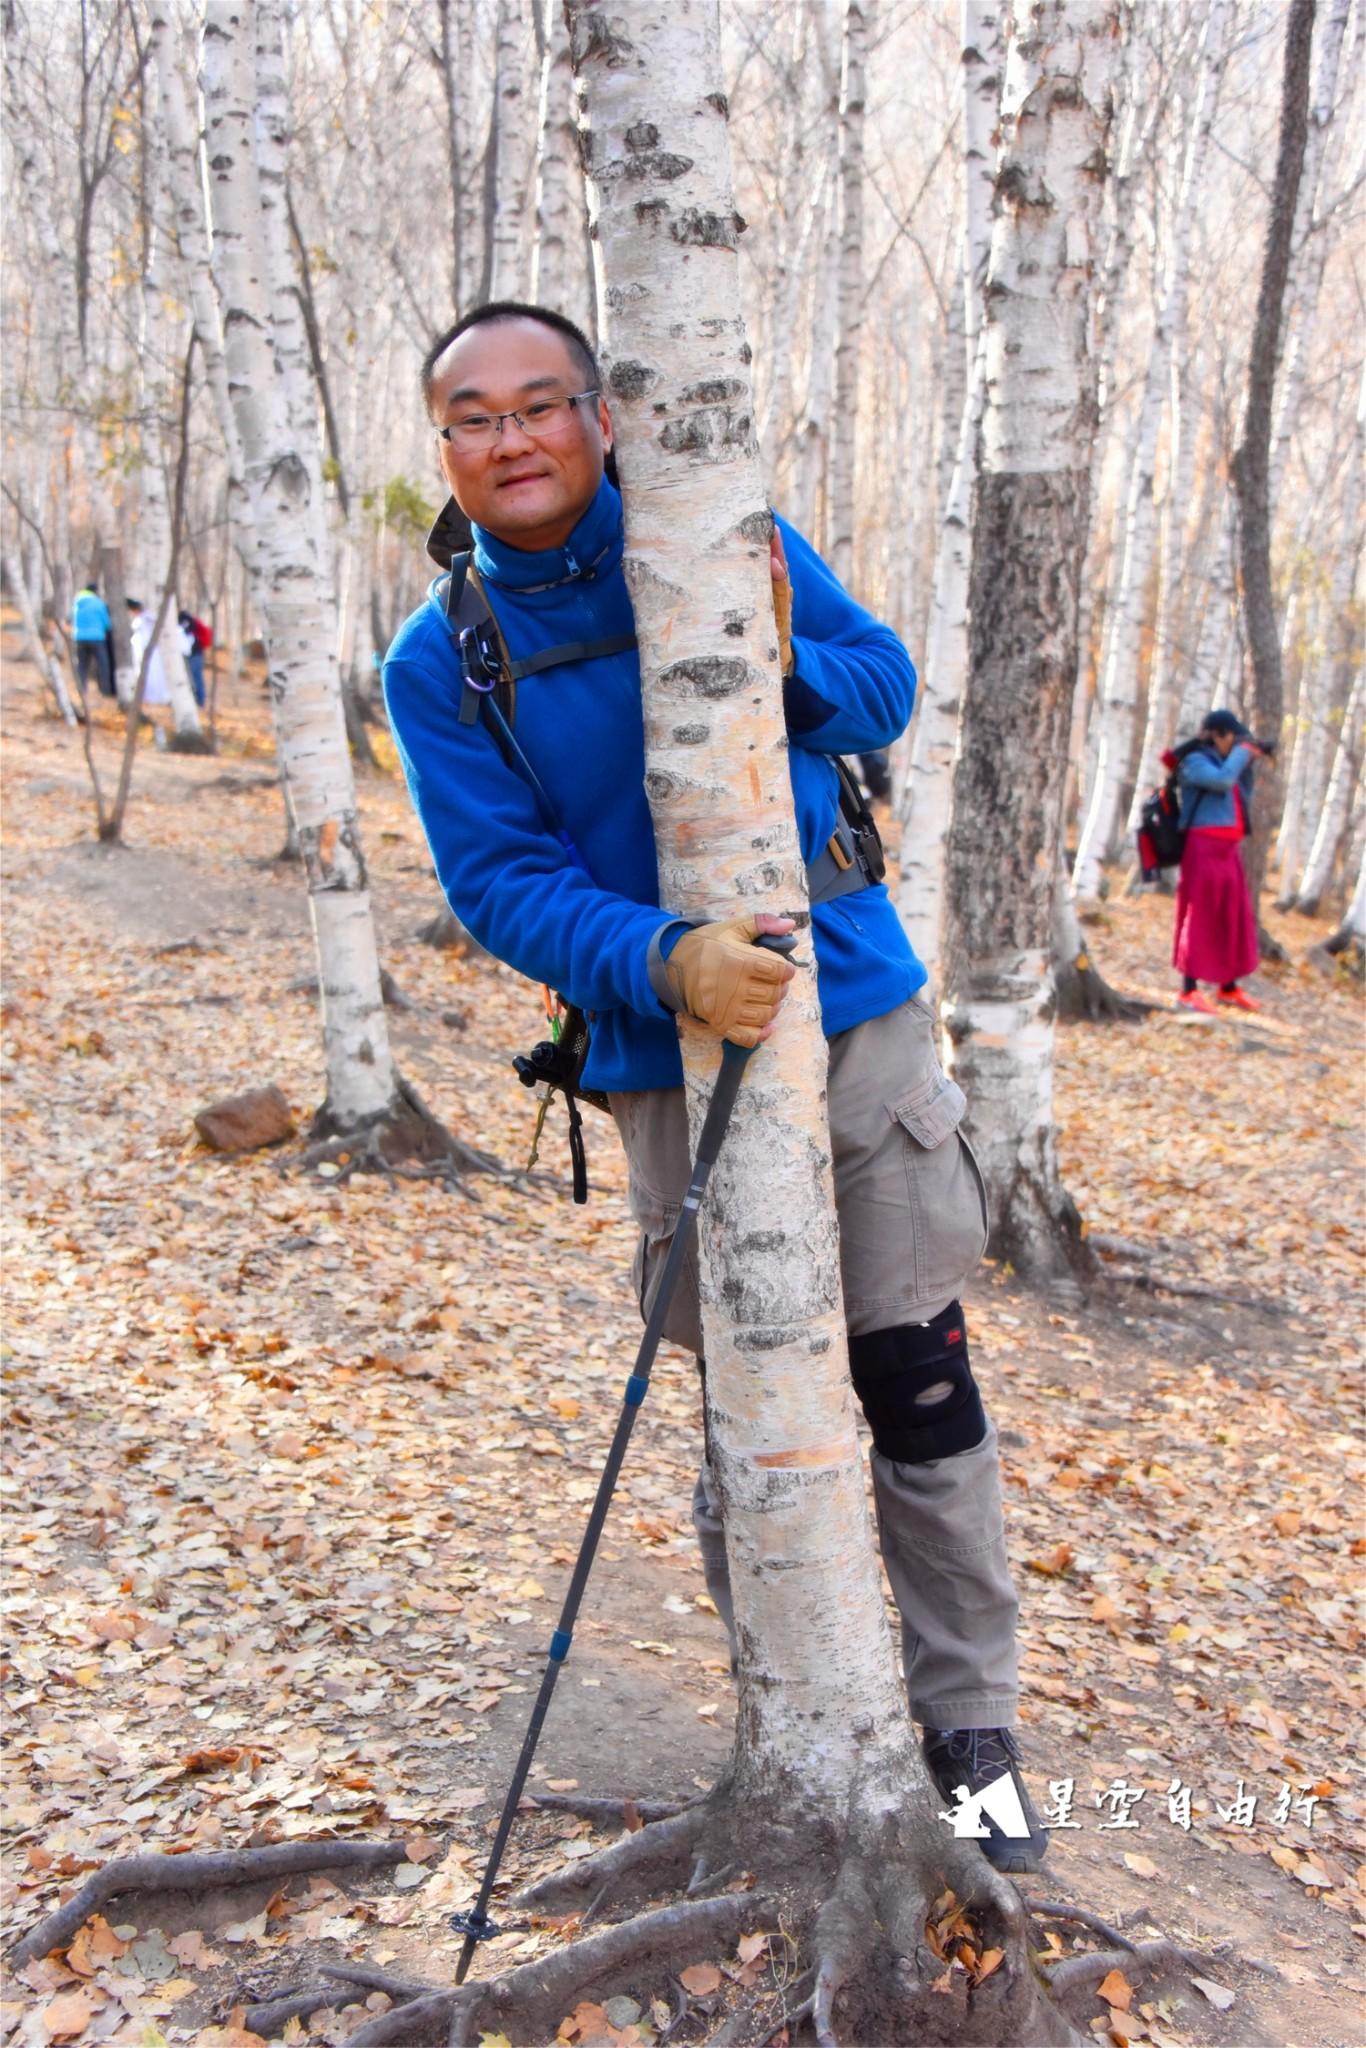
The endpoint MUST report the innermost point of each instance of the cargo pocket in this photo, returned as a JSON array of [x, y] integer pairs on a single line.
[[947, 1193]]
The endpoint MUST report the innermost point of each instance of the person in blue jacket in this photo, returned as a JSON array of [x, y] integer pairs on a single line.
[[90, 630], [561, 882]]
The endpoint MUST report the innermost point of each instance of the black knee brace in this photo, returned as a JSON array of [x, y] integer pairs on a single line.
[[892, 1368]]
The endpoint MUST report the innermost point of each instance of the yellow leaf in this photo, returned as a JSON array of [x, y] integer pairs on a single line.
[[1142, 1866], [990, 1960], [494, 2041]]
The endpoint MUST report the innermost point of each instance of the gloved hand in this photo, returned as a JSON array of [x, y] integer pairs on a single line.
[[719, 976], [782, 600]]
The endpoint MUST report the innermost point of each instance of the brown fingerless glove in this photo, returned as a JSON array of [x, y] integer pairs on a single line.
[[718, 975], [782, 613]]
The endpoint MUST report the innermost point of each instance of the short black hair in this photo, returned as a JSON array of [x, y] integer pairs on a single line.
[[512, 309]]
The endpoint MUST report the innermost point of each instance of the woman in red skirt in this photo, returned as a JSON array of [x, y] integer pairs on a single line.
[[1215, 938]]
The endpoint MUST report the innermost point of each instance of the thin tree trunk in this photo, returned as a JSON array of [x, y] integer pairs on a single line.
[[559, 278], [1119, 689], [361, 1080], [849, 291], [45, 662], [1251, 463], [513, 107], [927, 794], [1332, 823], [1028, 545]]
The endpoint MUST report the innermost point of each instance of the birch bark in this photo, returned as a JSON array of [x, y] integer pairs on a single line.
[[1332, 823], [154, 526], [1251, 463], [361, 1081], [1029, 537], [559, 276], [45, 662], [849, 292], [927, 795], [816, 1658], [823, 1740], [512, 131], [1120, 683]]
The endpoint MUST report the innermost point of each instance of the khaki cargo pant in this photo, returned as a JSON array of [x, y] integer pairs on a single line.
[[913, 1225]]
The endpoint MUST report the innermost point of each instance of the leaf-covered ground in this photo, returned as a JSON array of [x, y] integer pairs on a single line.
[[294, 1471]]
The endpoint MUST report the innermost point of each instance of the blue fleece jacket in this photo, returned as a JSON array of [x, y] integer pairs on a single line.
[[1207, 785], [586, 929], [89, 616]]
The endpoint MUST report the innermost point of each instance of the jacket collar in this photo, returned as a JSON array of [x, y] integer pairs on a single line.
[[592, 551]]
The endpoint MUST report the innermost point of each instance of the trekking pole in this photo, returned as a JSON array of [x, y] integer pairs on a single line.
[[476, 1925]]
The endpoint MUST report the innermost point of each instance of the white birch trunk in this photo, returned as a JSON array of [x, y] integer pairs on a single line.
[[927, 795], [1206, 676], [1029, 537], [1157, 734], [49, 668], [186, 193], [1311, 250], [821, 1716], [1120, 683], [559, 276], [513, 112], [156, 405], [810, 495], [361, 1081], [849, 291], [1332, 823]]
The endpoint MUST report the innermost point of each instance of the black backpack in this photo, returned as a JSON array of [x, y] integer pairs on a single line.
[[1161, 836]]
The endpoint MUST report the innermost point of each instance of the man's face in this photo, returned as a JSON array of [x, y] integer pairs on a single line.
[[529, 490], [1224, 743]]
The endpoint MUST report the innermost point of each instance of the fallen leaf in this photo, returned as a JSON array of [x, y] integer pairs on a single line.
[[700, 1979], [1116, 1990], [1142, 1866], [991, 1959], [1215, 1993], [70, 2014]]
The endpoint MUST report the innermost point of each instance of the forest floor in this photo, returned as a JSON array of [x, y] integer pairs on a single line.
[[294, 1472]]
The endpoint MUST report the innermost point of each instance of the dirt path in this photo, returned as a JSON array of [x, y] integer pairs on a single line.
[[294, 1473]]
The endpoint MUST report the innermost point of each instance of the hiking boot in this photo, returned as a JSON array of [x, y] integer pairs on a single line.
[[975, 1758], [1195, 1001], [1238, 999]]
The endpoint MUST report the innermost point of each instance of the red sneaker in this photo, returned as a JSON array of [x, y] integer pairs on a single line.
[[1195, 1001], [1238, 999]]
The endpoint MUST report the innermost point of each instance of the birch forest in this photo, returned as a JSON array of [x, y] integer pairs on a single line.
[[1042, 321]]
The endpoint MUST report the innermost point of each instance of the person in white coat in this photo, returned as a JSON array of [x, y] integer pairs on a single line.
[[140, 626]]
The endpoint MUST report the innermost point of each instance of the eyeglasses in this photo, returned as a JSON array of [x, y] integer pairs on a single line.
[[540, 419]]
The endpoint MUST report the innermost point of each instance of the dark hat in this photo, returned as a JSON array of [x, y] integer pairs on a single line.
[[1224, 721], [134, 604]]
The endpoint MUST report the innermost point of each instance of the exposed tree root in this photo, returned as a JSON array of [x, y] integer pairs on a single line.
[[271, 2014], [1081, 991], [658, 1852], [1194, 1290], [536, 1995], [405, 1130], [191, 743], [622, 1813], [1084, 1972], [1078, 1915], [156, 1873]]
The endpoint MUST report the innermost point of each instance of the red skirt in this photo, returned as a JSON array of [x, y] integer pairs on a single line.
[[1215, 936]]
